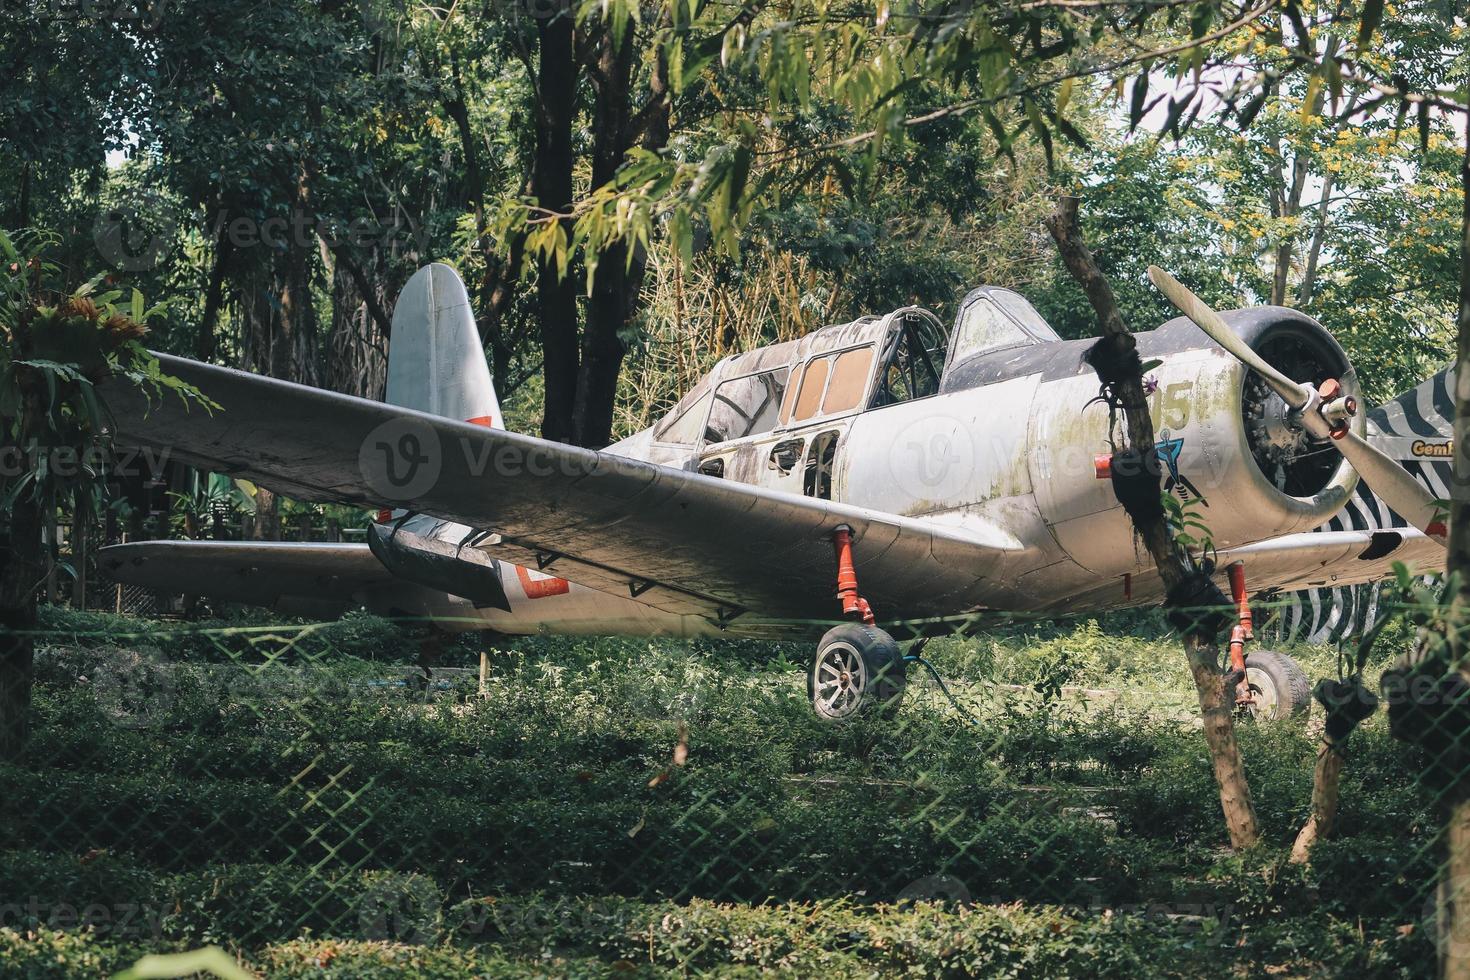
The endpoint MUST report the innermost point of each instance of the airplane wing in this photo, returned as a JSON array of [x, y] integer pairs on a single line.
[[1310, 559], [1313, 559], [676, 540]]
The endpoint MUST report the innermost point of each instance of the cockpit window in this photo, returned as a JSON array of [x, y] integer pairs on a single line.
[[683, 428], [984, 327], [849, 380], [912, 361], [746, 406], [994, 319], [813, 383], [831, 384], [1023, 313]]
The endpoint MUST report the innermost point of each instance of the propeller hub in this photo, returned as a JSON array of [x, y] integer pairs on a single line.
[[1290, 444]]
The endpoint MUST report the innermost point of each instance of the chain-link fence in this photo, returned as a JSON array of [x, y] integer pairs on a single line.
[[1040, 802]]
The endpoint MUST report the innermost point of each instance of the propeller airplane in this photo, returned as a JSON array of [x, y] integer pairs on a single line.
[[890, 476]]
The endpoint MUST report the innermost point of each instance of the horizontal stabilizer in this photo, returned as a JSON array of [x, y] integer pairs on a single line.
[[299, 579]]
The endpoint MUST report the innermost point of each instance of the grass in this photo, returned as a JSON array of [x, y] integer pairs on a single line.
[[277, 792]]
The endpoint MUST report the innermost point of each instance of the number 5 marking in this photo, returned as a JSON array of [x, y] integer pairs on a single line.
[[1171, 405]]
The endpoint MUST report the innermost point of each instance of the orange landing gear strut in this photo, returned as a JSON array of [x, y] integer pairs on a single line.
[[853, 604], [1240, 633]]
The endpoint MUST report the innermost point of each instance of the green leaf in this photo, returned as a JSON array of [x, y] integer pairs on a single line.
[[1309, 97], [138, 306], [1043, 133], [210, 959], [1064, 94], [739, 174], [1136, 104]]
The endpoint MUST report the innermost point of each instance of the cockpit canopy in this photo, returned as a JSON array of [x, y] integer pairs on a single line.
[[992, 319], [847, 368]]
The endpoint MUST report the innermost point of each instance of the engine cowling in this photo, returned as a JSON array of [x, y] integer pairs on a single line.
[[1228, 447]]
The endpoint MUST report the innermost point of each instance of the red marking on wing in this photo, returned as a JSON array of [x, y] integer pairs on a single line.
[[1437, 530], [488, 421], [545, 585]]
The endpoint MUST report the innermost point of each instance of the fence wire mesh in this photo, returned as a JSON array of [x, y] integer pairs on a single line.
[[1041, 801]]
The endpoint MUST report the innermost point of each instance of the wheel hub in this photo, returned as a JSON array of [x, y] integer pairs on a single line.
[[840, 678]]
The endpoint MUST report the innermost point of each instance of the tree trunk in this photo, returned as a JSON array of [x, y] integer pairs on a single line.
[[618, 285], [80, 529], [610, 303], [1326, 777], [214, 292], [19, 574], [267, 525], [552, 186], [22, 566], [1454, 892], [357, 363], [1452, 918], [1203, 654]]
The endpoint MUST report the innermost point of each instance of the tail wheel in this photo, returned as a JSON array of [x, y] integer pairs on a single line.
[[1279, 688], [857, 670]]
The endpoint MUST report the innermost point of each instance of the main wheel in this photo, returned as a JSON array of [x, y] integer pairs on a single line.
[[857, 669], [1279, 688]]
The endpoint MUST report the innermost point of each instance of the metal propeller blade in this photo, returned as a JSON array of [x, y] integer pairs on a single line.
[[1393, 483], [1293, 393], [1388, 479]]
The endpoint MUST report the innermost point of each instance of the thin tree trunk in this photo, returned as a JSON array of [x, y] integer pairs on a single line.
[[552, 186], [1454, 892], [1215, 702], [267, 525], [214, 293], [79, 532], [618, 285], [608, 305], [1314, 250], [1326, 778], [23, 209], [22, 565]]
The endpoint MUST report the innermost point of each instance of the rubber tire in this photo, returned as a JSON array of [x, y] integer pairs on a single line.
[[884, 671], [1288, 683]]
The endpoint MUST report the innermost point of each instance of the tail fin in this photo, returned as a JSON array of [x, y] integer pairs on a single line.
[[436, 363]]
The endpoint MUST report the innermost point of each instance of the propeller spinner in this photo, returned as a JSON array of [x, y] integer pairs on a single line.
[[1323, 412]]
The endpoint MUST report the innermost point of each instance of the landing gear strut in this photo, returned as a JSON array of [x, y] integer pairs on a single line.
[[858, 668], [1270, 685]]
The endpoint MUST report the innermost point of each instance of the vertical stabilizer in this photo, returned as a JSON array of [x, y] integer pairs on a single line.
[[435, 361]]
